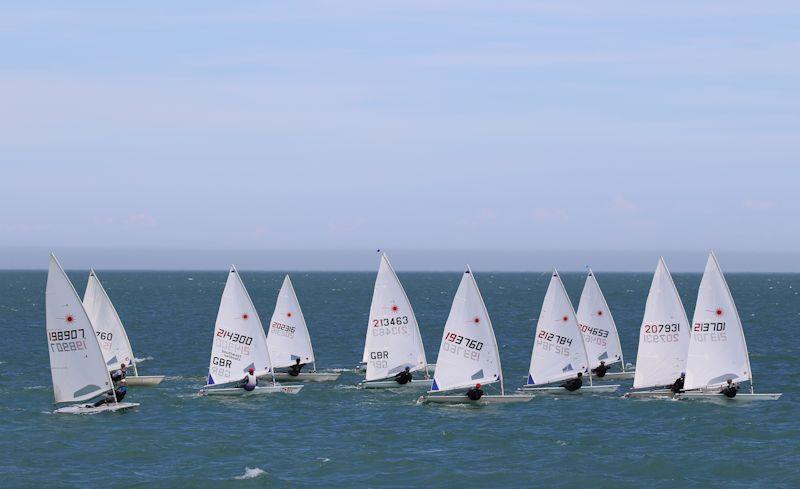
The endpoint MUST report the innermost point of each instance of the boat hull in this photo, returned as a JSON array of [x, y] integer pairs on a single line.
[[308, 376], [391, 384], [259, 390], [650, 394], [89, 409], [144, 380], [611, 376], [586, 389], [362, 367], [463, 399], [740, 397]]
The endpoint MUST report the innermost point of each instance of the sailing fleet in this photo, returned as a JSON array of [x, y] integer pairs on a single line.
[[572, 353]]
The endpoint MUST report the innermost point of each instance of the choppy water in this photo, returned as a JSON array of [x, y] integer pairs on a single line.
[[336, 435]]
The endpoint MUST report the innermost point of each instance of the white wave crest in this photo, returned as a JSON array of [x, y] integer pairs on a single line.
[[250, 473], [140, 360]]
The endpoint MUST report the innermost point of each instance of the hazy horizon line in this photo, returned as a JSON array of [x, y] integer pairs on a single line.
[[404, 260]]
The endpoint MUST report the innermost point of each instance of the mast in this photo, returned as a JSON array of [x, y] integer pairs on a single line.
[[575, 318], [491, 330], [116, 315], [738, 318]]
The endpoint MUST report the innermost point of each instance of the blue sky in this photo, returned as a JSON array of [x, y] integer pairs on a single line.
[[415, 125]]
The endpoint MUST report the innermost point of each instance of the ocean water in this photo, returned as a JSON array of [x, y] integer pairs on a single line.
[[332, 434]]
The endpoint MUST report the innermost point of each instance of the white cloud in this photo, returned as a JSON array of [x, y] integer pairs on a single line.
[[622, 205], [141, 220], [759, 204], [548, 215]]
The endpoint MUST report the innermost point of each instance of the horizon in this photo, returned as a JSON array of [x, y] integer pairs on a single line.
[[492, 261]]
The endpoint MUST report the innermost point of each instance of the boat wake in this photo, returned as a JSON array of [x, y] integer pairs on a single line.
[[140, 360], [250, 473]]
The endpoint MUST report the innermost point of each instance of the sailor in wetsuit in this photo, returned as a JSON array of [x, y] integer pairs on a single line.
[[601, 369], [118, 374], [475, 393], [294, 370], [250, 381], [119, 392], [404, 377], [677, 386], [730, 389], [573, 384]]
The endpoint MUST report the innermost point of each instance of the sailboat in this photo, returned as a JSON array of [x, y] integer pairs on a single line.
[[663, 338], [393, 339], [111, 333], [76, 362], [240, 344], [288, 339], [468, 354], [599, 331], [717, 348], [559, 352]]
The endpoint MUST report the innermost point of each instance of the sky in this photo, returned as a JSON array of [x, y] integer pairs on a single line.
[[309, 134]]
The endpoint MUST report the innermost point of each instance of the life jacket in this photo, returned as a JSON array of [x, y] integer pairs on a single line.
[[251, 382]]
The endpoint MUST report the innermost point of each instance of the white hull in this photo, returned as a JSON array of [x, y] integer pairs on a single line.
[[656, 393], [391, 384], [628, 374], [259, 390], [463, 399], [144, 380], [585, 389], [308, 376], [89, 409], [715, 396], [362, 367]]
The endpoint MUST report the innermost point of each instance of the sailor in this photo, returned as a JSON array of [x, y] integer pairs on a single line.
[[119, 392], [118, 374], [677, 386], [250, 381], [730, 389], [601, 369], [404, 377], [294, 370], [573, 384], [475, 393]]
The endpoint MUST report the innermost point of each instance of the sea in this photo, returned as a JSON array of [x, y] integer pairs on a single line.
[[335, 435]]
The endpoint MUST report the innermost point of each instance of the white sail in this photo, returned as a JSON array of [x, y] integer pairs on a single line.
[[393, 339], [664, 334], [107, 325], [597, 326], [558, 350], [717, 349], [468, 354], [239, 339], [76, 362], [288, 339]]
